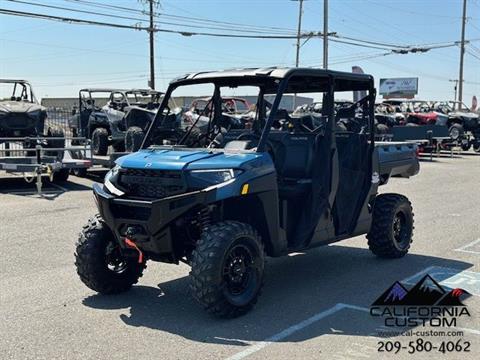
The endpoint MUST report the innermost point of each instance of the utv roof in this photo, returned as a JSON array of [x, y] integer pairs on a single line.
[[269, 79], [272, 72], [149, 91], [13, 81]]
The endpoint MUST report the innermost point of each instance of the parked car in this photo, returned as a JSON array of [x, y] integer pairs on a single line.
[[262, 191], [121, 122]]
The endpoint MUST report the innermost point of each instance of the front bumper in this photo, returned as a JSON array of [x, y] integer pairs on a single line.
[[151, 219]]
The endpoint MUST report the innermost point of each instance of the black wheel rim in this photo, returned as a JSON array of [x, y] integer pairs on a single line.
[[114, 260], [401, 231], [454, 133], [240, 274]]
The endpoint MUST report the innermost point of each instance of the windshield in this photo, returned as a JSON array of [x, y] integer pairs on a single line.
[[206, 120], [200, 113], [142, 97], [16, 91]]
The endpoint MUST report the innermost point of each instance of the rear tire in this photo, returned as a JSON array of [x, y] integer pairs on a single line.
[[56, 143], [456, 132], [133, 139], [391, 232], [227, 269], [100, 141], [100, 263]]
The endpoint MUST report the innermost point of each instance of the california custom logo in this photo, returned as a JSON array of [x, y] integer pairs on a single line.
[[427, 303]]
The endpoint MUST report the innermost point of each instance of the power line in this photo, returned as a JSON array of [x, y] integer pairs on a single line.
[[472, 54], [190, 19], [135, 27], [135, 18]]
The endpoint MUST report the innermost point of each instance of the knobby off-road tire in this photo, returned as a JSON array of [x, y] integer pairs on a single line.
[[99, 262], [56, 143], [391, 232], [456, 132], [133, 139], [100, 141], [227, 269]]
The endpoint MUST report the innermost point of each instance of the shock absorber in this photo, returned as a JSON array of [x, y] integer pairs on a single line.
[[204, 218]]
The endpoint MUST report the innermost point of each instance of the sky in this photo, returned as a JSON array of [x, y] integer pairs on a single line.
[[60, 58]]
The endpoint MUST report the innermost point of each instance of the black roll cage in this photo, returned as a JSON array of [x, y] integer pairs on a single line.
[[26, 88], [282, 85]]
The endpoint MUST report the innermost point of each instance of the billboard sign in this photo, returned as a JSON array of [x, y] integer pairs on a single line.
[[398, 87]]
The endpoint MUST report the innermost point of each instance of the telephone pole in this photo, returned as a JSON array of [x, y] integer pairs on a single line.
[[152, 48], [151, 31], [455, 88], [325, 34], [299, 30], [462, 53]]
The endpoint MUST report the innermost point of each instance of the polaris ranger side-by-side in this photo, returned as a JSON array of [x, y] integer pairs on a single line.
[[121, 122], [282, 184]]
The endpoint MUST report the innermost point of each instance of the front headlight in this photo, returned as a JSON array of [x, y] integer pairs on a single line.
[[212, 176], [111, 179]]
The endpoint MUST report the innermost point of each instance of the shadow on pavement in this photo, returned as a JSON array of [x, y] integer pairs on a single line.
[[296, 288], [18, 186]]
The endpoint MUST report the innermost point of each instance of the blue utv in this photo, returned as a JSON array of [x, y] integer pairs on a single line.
[[278, 184]]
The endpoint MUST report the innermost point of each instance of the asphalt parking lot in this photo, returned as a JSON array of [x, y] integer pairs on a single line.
[[313, 305]]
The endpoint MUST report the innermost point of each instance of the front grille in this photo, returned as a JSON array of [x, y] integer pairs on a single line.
[[19, 121], [152, 184], [130, 212]]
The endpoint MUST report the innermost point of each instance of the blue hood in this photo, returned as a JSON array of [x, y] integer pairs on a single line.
[[183, 159]]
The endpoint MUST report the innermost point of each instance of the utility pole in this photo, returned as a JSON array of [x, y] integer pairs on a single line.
[[456, 85], [299, 30], [325, 34], [462, 53], [151, 31]]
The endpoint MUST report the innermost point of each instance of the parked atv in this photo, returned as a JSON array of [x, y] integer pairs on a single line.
[[121, 122], [463, 124], [22, 116], [268, 190]]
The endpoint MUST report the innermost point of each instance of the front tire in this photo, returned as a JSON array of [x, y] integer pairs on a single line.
[[100, 141], [133, 139], [391, 232], [227, 269], [100, 263]]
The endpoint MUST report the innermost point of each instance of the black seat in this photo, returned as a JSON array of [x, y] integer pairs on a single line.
[[294, 155]]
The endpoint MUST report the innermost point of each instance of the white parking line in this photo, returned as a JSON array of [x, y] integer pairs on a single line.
[[293, 329], [408, 280], [465, 248]]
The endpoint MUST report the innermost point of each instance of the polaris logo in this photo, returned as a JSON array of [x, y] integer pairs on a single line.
[[148, 165]]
